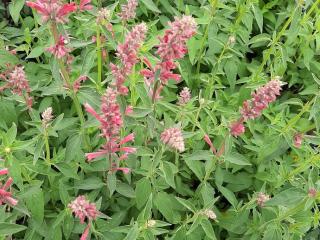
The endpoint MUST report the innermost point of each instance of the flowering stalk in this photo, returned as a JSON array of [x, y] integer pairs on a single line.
[[46, 119], [66, 78], [110, 124], [173, 138], [84, 210], [253, 108], [171, 48]]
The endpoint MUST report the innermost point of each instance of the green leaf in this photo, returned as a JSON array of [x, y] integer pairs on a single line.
[[36, 52], [143, 191], [7, 57], [288, 197], [169, 170], [125, 190], [35, 203], [14, 8], [89, 183], [151, 5], [258, 16], [208, 229], [237, 159], [228, 195], [10, 228], [133, 234], [187, 204], [196, 167], [111, 182]]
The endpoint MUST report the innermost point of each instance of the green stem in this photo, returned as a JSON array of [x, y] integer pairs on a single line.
[[46, 141], [99, 59], [73, 94]]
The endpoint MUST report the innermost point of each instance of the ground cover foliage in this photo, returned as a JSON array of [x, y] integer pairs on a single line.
[[158, 119]]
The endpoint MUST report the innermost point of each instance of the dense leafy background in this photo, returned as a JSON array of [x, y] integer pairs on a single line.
[[271, 38]]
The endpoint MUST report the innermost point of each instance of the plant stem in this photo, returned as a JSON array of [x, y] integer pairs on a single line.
[[73, 94], [46, 141], [99, 59]]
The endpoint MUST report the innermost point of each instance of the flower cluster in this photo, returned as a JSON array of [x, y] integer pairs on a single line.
[[253, 108], [5, 195], [171, 48], [16, 81], [262, 198], [297, 140], [128, 11], [47, 117], [184, 96], [77, 83], [127, 53], [59, 50], [209, 214], [110, 124], [173, 138], [53, 10], [83, 209]]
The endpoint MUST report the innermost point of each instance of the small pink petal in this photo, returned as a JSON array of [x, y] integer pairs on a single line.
[[126, 139], [124, 170], [93, 155], [85, 233]]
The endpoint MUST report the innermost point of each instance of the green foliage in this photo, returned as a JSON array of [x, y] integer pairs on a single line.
[[239, 46]]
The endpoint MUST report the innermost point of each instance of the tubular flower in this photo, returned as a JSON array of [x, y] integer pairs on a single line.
[[59, 50], [237, 128], [184, 96], [110, 124], [171, 48], [173, 138], [52, 10], [297, 140], [83, 209], [127, 53], [210, 214], [77, 83], [5, 195], [18, 83], [128, 11]]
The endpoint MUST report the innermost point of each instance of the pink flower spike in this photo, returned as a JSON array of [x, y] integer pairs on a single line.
[[85, 233], [85, 5], [4, 171], [83, 209], [129, 138], [208, 141], [38, 6], [93, 155], [124, 170], [237, 128], [128, 11]]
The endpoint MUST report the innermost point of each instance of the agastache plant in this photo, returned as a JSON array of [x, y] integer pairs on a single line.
[[110, 124], [253, 108], [128, 11], [127, 54], [171, 48]]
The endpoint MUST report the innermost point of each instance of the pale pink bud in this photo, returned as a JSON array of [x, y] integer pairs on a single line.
[[262, 198], [312, 193], [297, 141], [184, 96], [173, 138], [237, 129], [85, 233], [47, 116], [210, 214]]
